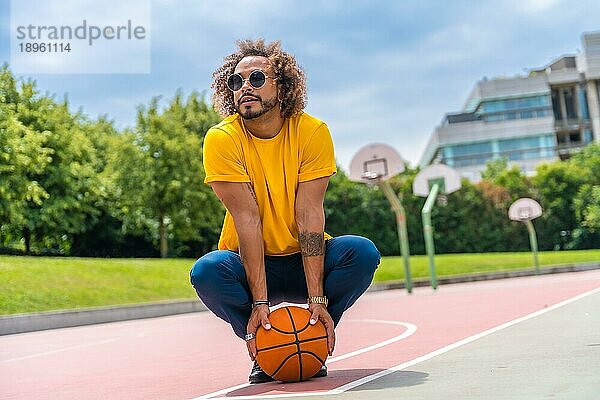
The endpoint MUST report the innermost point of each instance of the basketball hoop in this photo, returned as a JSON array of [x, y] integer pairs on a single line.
[[525, 210], [374, 165], [442, 200], [434, 182], [377, 162]]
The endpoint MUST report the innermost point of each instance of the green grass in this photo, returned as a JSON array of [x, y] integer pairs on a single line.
[[392, 268], [31, 284]]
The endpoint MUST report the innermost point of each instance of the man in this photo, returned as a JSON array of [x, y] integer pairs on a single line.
[[269, 163]]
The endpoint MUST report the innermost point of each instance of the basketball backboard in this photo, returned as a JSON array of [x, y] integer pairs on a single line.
[[376, 161], [524, 209], [447, 179]]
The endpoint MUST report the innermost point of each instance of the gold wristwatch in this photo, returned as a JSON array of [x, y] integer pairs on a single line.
[[318, 300]]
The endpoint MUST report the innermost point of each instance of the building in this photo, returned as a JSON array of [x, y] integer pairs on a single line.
[[544, 116]]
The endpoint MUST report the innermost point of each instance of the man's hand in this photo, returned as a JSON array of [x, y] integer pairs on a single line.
[[319, 312], [259, 316]]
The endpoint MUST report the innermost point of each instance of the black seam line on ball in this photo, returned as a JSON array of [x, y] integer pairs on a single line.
[[283, 363], [297, 340], [312, 354], [277, 346], [290, 332], [312, 339]]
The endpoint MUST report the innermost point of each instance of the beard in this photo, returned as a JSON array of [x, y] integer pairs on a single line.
[[265, 106]]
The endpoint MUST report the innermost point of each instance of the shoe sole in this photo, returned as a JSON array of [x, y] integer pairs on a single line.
[[267, 378]]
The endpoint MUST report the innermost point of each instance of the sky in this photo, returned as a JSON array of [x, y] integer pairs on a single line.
[[377, 71]]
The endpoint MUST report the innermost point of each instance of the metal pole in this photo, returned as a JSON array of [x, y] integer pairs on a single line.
[[533, 242], [428, 232], [402, 232]]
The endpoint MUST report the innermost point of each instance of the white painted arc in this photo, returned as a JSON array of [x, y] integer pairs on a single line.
[[410, 329]]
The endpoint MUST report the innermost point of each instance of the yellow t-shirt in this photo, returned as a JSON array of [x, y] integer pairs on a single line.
[[300, 152]]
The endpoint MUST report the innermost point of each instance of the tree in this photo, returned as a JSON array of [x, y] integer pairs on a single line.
[[515, 183], [52, 158], [22, 150], [157, 168]]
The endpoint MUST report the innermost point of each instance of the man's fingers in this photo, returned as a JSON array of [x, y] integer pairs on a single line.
[[330, 337], [314, 317], [251, 344], [328, 322], [265, 322]]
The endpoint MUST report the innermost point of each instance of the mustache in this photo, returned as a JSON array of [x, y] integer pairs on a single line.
[[248, 95]]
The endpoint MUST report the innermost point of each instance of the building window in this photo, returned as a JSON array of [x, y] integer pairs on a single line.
[[570, 103], [511, 109], [561, 140], [575, 137], [527, 148], [463, 155], [526, 114], [572, 138], [556, 105], [582, 100]]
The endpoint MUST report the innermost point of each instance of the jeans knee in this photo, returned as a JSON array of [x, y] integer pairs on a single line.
[[197, 273], [370, 254], [204, 271], [367, 255]]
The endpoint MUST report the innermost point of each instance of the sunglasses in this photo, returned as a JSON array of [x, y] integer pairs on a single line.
[[257, 79]]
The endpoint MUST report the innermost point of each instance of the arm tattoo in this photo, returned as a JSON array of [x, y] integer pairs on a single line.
[[312, 243]]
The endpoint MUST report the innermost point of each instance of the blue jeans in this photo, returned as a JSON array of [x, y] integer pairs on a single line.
[[220, 280]]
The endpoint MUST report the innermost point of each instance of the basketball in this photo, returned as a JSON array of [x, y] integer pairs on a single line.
[[292, 350]]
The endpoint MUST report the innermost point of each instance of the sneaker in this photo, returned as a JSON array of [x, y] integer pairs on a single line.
[[257, 375], [322, 372]]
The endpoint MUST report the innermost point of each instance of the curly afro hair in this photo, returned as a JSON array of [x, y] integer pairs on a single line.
[[291, 78]]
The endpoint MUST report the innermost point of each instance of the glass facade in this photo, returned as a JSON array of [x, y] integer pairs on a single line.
[[570, 103], [582, 101], [516, 115], [525, 148], [516, 104], [515, 108]]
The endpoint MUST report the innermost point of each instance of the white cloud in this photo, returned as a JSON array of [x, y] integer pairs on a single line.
[[536, 6]]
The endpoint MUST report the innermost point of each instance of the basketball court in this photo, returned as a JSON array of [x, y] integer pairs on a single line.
[[535, 337]]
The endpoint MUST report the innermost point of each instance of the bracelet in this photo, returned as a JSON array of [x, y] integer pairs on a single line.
[[323, 300], [261, 302]]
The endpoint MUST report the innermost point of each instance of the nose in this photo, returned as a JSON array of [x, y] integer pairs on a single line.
[[246, 84]]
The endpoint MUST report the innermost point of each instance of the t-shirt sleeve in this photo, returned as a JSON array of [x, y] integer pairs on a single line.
[[318, 157], [222, 158]]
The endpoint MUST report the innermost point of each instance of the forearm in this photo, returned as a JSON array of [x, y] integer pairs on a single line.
[[251, 247], [311, 224]]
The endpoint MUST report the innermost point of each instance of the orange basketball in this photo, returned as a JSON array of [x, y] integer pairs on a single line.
[[292, 350]]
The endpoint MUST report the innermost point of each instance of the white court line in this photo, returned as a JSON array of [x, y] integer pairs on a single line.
[[399, 367], [59, 350], [410, 329]]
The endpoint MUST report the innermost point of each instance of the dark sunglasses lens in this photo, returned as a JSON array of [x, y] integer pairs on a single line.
[[234, 82], [257, 79]]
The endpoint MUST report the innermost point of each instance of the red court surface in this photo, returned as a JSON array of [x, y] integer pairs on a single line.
[[197, 356]]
